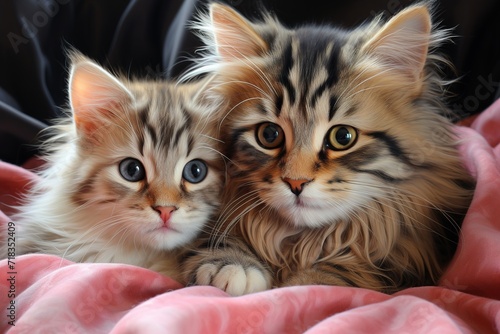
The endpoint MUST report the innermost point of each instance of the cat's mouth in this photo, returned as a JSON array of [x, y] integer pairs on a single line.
[[307, 212], [306, 203], [164, 228], [300, 203]]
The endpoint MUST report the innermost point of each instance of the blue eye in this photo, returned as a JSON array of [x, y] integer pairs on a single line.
[[132, 170], [195, 171]]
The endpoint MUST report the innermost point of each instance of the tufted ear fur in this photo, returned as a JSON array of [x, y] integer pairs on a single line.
[[234, 36], [95, 95], [402, 43]]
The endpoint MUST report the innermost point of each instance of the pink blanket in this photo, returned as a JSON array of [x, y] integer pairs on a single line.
[[57, 296]]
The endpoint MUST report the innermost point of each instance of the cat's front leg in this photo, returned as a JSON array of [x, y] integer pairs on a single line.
[[313, 277], [324, 274], [232, 269]]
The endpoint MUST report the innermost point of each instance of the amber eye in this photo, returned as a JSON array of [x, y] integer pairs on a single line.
[[341, 137], [269, 135]]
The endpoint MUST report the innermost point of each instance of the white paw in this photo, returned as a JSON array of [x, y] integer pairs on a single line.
[[235, 279]]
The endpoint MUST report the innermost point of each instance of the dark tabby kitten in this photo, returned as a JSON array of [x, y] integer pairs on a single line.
[[344, 170]]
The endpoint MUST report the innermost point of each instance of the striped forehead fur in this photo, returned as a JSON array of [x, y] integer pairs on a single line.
[[162, 122]]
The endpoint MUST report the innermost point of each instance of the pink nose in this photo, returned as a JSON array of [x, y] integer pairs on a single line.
[[165, 212], [296, 186]]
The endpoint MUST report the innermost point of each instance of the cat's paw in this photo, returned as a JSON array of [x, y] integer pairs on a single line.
[[235, 279]]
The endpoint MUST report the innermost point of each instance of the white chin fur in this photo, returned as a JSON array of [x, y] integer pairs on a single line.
[[168, 240], [313, 212], [180, 233], [309, 217]]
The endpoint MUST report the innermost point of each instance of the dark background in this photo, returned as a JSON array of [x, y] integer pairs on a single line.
[[149, 38]]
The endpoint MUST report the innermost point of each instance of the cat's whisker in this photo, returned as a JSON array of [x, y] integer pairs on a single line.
[[262, 76], [349, 87], [233, 207], [235, 204], [212, 138], [399, 205], [252, 85], [82, 241], [399, 192], [216, 151], [236, 106], [252, 65], [380, 73], [233, 223], [366, 90]]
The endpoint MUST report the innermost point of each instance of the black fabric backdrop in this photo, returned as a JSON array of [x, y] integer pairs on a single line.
[[149, 38]]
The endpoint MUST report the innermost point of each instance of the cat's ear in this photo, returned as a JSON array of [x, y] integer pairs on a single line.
[[403, 42], [234, 36], [95, 95]]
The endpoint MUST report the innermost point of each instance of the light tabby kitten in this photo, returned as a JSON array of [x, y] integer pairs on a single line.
[[344, 170], [130, 178]]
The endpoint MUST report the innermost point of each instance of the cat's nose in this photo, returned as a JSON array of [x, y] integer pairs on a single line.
[[165, 212], [296, 186]]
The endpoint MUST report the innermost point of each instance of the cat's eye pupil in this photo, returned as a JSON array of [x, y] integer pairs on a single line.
[[269, 135], [195, 171], [343, 136], [132, 170]]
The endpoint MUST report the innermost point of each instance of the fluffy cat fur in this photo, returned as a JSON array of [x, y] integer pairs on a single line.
[[123, 179], [343, 167]]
